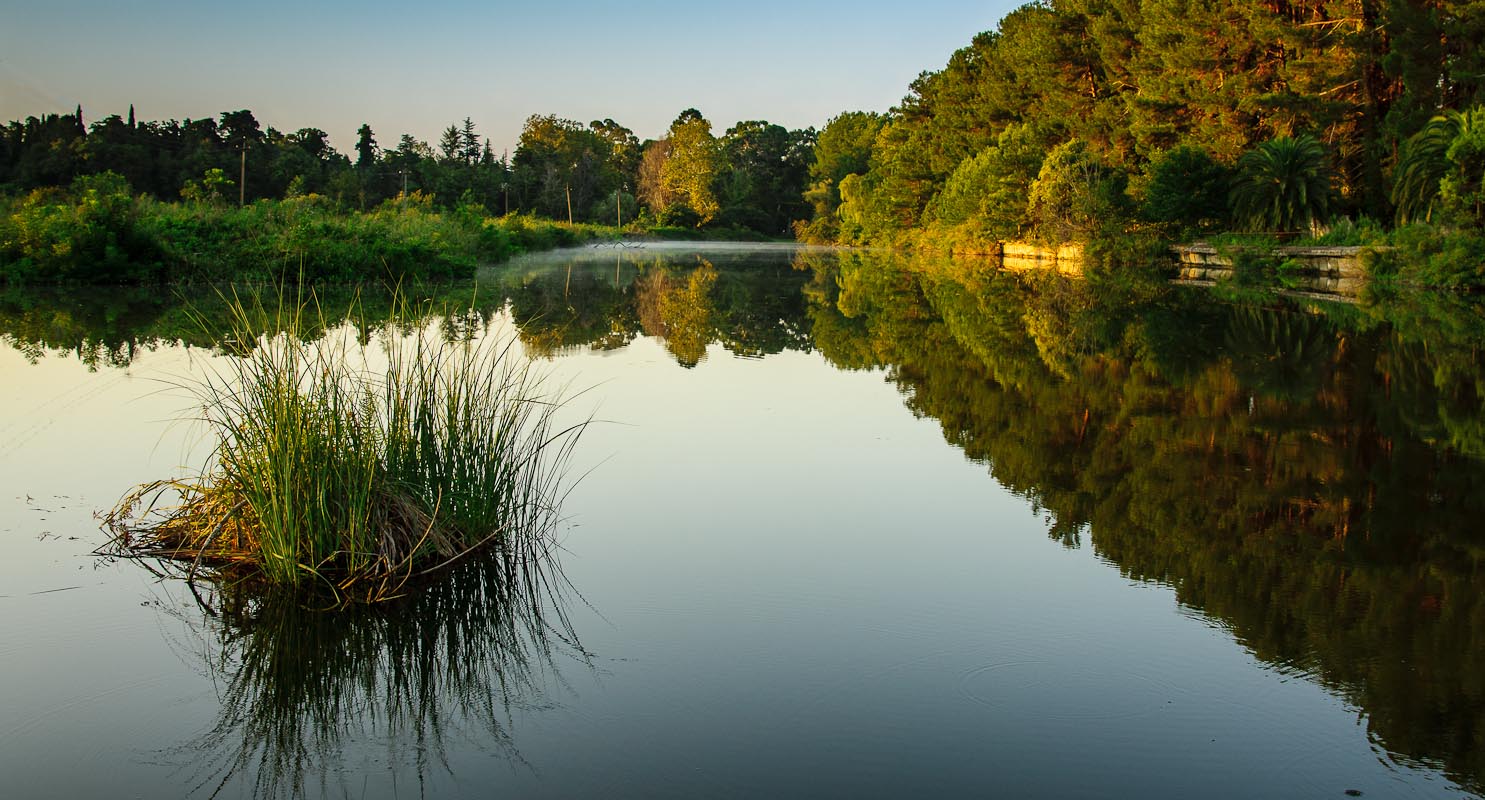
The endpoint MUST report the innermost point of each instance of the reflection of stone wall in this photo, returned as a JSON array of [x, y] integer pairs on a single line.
[[1067, 259], [1327, 270]]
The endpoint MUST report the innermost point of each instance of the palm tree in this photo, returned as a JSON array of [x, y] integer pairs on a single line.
[[1283, 184], [1440, 170], [1425, 162]]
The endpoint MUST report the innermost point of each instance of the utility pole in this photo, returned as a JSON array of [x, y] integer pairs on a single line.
[[569, 204], [242, 179], [619, 208], [404, 181]]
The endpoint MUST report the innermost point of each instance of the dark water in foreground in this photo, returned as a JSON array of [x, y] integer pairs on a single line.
[[854, 527]]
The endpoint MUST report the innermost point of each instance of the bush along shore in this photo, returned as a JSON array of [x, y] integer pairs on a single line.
[[356, 472], [98, 231]]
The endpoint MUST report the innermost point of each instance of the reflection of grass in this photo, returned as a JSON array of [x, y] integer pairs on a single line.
[[328, 469], [301, 687]]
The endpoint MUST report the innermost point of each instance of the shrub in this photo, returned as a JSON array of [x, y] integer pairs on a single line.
[[1187, 188], [1429, 255]]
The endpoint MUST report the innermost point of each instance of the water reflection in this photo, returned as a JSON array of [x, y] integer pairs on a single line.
[[603, 301], [1308, 476], [316, 703], [109, 327]]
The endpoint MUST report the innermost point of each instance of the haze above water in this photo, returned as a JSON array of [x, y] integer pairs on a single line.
[[854, 526]]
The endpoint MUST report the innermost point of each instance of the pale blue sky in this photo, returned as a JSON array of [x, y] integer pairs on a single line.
[[416, 68]]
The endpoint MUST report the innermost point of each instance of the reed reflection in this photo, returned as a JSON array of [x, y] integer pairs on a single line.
[[314, 703]]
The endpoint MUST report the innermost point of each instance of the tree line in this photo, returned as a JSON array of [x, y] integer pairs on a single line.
[[752, 176], [1073, 120], [1276, 115]]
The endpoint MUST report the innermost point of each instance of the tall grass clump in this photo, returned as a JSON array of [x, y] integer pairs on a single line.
[[352, 470]]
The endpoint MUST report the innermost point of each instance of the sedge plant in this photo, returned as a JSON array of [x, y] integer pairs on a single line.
[[356, 470]]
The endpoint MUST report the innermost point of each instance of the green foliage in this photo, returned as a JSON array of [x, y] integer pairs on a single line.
[[1187, 188], [1442, 171], [1148, 85], [751, 179], [842, 148], [1462, 188], [1431, 255], [99, 233], [1348, 233], [866, 211], [678, 215], [761, 185], [613, 209], [692, 165], [1424, 163], [212, 187], [1076, 195], [987, 195], [92, 232], [561, 164], [1283, 185]]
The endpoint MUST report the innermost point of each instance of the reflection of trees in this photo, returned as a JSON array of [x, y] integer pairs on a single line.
[[586, 307], [1288, 472], [101, 328], [751, 307], [110, 327], [751, 304], [301, 688], [678, 310]]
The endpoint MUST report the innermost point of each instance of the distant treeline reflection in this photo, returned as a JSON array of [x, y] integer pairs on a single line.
[[602, 300]]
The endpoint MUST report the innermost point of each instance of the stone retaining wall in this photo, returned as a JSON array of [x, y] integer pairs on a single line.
[[1326, 270], [1067, 259]]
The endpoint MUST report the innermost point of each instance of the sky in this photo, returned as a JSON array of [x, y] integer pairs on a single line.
[[419, 67]]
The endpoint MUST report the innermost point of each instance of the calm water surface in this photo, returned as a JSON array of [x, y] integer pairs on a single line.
[[853, 527]]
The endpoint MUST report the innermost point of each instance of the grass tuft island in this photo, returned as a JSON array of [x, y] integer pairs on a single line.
[[352, 471]]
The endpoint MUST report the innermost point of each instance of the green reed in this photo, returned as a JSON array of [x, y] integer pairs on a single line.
[[356, 469]]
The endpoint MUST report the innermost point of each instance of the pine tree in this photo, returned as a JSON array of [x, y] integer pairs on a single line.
[[365, 148], [469, 142], [451, 144]]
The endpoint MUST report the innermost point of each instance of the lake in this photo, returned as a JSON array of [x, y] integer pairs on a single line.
[[846, 524]]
